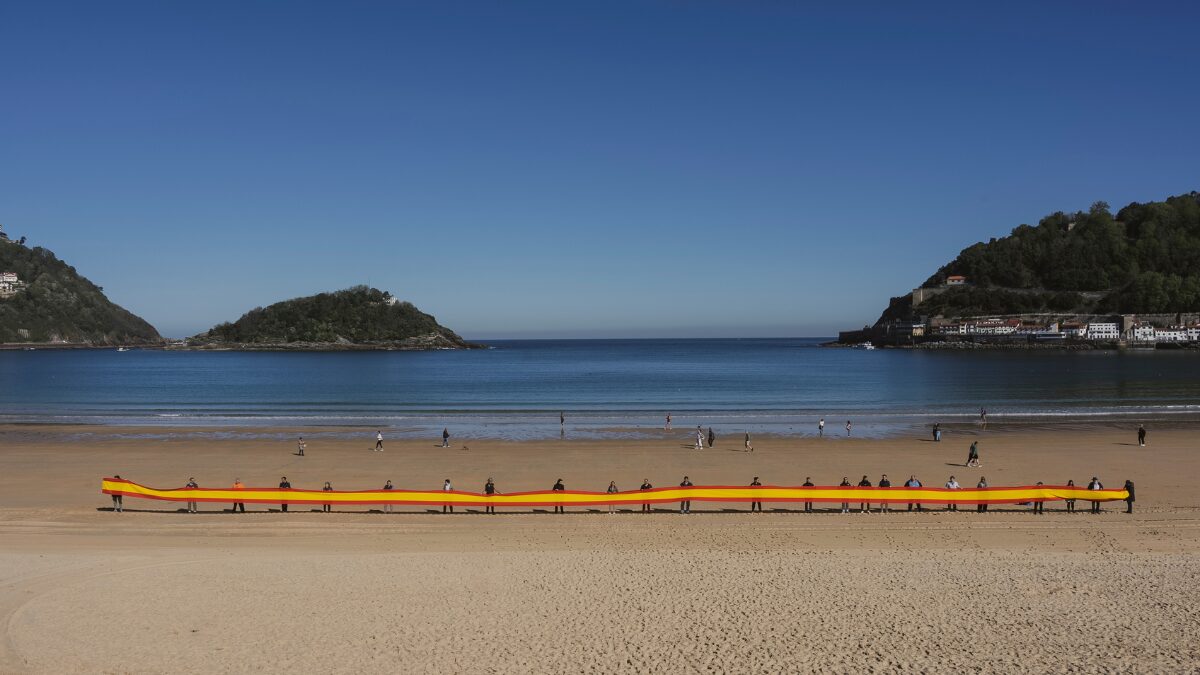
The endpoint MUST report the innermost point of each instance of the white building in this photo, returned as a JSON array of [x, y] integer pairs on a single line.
[[1143, 332], [1193, 333], [1072, 329], [1172, 334], [1103, 331], [8, 278]]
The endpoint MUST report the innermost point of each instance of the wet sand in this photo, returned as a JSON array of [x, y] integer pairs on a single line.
[[152, 590]]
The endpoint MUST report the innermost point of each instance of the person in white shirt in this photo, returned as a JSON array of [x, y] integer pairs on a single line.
[[447, 508], [821, 427], [699, 438], [952, 485], [1095, 485], [379, 441]]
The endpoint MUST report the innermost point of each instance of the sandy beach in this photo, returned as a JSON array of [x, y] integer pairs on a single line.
[[153, 590]]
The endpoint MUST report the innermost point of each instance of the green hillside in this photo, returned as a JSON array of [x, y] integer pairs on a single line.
[[358, 316], [57, 304], [1145, 259]]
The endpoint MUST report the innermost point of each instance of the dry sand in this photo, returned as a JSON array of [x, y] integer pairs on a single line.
[[154, 591]]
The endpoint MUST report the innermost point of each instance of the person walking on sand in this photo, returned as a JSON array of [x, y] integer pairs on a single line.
[[981, 507], [699, 438], [668, 427], [755, 506], [749, 448], [237, 485], [884, 483], [1095, 485], [712, 438], [973, 455], [117, 499], [379, 441], [387, 508], [983, 417], [1141, 435], [912, 482], [845, 483], [1039, 505], [284, 485], [821, 427], [1129, 498], [848, 427], [952, 484], [446, 437], [808, 483], [489, 489], [192, 484], [864, 507], [612, 490], [685, 506], [646, 486], [937, 432], [1071, 502], [327, 508], [559, 487], [300, 446], [447, 507]]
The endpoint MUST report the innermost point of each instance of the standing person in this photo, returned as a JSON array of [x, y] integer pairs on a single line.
[[193, 485], [755, 506], [1129, 499], [983, 417], [284, 485], [646, 486], [821, 427], [118, 500], [699, 438], [845, 483], [447, 507], [749, 448], [912, 482], [937, 432], [1141, 435], [952, 484], [808, 483], [237, 485], [562, 421], [668, 427], [1039, 506], [1071, 502], [712, 438], [559, 487], [973, 455], [387, 508], [981, 507], [446, 437], [379, 441], [865, 507], [848, 427], [327, 508], [685, 506], [612, 490], [489, 489], [300, 446], [884, 483], [1095, 485]]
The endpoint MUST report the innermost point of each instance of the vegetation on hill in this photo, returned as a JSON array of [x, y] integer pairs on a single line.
[[355, 316], [1145, 259], [59, 305]]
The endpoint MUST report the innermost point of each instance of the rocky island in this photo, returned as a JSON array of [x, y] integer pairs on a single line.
[[358, 318]]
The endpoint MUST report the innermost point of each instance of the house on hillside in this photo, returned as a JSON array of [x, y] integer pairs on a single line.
[[956, 280], [10, 284]]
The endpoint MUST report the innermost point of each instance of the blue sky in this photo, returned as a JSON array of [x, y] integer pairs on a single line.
[[575, 169]]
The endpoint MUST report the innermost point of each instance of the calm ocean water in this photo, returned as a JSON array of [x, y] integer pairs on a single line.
[[608, 388]]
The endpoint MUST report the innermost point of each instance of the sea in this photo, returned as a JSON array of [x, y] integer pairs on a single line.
[[516, 389]]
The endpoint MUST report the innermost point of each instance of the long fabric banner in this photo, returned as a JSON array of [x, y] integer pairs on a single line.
[[698, 493]]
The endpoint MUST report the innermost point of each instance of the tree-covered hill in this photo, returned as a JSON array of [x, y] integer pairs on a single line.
[[1143, 260], [355, 317], [58, 305]]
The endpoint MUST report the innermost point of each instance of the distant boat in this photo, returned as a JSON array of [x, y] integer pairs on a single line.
[[865, 345], [122, 349]]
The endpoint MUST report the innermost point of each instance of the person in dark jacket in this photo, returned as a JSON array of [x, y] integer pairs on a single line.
[[1039, 506], [117, 499], [845, 483], [1129, 500], [982, 506], [387, 508], [1095, 485], [712, 438], [808, 505], [1071, 502], [284, 485], [559, 487], [646, 486], [327, 508], [884, 483], [489, 489], [1141, 435], [686, 505], [865, 506], [755, 506]]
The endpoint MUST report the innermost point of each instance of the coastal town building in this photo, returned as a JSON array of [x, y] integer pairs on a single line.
[[1143, 331], [956, 280], [1103, 331], [1171, 334], [10, 284]]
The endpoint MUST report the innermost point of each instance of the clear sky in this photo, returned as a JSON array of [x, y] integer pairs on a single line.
[[575, 169]]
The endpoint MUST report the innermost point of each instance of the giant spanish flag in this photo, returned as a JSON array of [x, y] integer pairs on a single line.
[[547, 498]]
